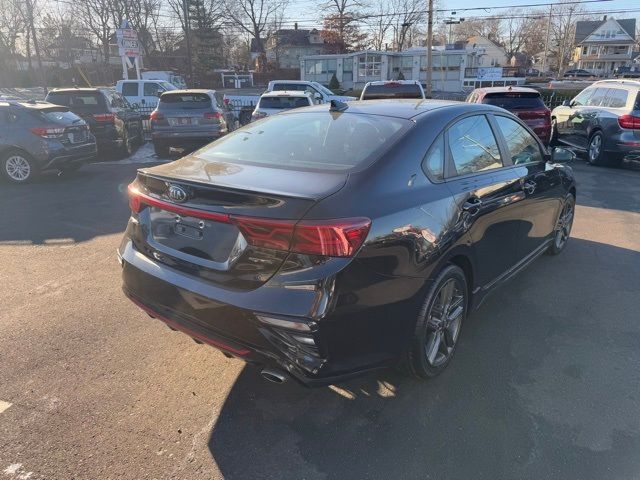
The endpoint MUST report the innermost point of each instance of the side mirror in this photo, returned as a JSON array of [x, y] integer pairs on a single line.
[[567, 103], [562, 155], [317, 97]]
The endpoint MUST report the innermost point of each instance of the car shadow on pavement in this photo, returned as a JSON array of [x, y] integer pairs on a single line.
[[68, 208], [534, 391]]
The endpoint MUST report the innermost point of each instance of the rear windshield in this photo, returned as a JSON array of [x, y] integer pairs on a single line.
[[309, 141], [515, 100], [78, 100], [190, 101], [61, 116], [283, 102], [391, 90]]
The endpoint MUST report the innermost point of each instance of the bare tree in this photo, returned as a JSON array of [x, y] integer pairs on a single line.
[[340, 21], [513, 33], [380, 23], [96, 15], [490, 28], [253, 17], [409, 15]]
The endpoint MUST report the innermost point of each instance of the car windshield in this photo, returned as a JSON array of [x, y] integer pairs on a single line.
[[187, 101], [283, 102], [313, 140], [392, 90], [515, 100], [323, 89]]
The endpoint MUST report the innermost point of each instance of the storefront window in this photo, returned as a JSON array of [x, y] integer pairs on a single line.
[[369, 65]]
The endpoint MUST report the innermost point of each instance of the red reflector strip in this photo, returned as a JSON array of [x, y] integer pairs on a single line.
[[188, 331], [137, 199]]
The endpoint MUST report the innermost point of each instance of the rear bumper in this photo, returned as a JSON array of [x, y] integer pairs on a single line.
[[67, 157], [345, 345]]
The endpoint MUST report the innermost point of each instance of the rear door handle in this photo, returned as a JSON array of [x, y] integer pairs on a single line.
[[530, 187]]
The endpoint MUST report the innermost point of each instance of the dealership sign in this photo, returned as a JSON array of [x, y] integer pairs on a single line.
[[489, 73]]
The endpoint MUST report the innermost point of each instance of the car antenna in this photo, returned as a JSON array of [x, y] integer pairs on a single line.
[[338, 106]]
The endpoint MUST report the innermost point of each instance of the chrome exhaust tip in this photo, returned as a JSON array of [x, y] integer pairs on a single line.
[[274, 376]]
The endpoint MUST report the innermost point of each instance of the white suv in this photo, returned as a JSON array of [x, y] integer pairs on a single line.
[[271, 103]]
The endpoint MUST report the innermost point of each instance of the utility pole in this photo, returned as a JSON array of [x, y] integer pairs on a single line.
[[36, 45], [187, 39], [429, 47], [546, 44]]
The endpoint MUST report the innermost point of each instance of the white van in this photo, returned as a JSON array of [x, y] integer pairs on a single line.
[[143, 93]]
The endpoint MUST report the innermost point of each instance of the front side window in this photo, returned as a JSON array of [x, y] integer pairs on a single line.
[[583, 97], [523, 147], [151, 89], [598, 98], [473, 146]]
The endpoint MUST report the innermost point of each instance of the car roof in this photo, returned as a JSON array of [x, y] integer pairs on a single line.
[[286, 93], [80, 90], [191, 90], [399, 82], [626, 82], [32, 105], [506, 90], [401, 108], [292, 81]]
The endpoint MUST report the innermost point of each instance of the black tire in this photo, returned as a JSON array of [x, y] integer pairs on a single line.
[[161, 150], [564, 223], [419, 359], [128, 147], [18, 166], [596, 154]]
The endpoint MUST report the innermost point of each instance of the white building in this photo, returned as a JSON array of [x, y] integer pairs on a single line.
[[454, 70]]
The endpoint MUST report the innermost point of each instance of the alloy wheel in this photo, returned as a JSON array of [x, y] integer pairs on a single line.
[[444, 322], [565, 222], [18, 168], [595, 146]]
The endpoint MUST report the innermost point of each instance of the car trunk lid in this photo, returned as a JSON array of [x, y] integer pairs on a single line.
[[224, 222]]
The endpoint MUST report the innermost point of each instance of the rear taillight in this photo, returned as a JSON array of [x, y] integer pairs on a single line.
[[104, 117], [333, 238], [48, 132], [155, 116], [629, 121], [213, 115]]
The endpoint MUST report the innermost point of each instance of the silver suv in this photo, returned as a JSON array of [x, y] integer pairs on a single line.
[[603, 120]]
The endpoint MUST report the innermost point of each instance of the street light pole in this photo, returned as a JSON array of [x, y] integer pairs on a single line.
[[187, 38], [429, 47], [546, 44]]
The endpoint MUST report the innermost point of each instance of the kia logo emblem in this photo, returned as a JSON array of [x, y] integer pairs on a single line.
[[177, 193]]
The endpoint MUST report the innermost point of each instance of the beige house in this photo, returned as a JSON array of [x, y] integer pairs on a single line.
[[487, 53], [604, 45]]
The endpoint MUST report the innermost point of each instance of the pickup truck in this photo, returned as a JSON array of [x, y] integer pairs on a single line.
[[143, 93], [243, 105]]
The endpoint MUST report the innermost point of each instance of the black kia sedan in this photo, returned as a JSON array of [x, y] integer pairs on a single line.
[[328, 241]]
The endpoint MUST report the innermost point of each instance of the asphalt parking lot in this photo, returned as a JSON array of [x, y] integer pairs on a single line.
[[545, 383]]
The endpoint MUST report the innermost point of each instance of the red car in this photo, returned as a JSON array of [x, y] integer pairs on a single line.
[[524, 102]]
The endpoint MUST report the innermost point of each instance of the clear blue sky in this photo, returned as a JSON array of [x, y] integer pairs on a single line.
[[306, 11]]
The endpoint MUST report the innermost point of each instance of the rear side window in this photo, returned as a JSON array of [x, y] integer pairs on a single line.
[[515, 100], [616, 98], [130, 89], [283, 102], [473, 146], [315, 141], [188, 101], [391, 90], [289, 86], [433, 163]]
